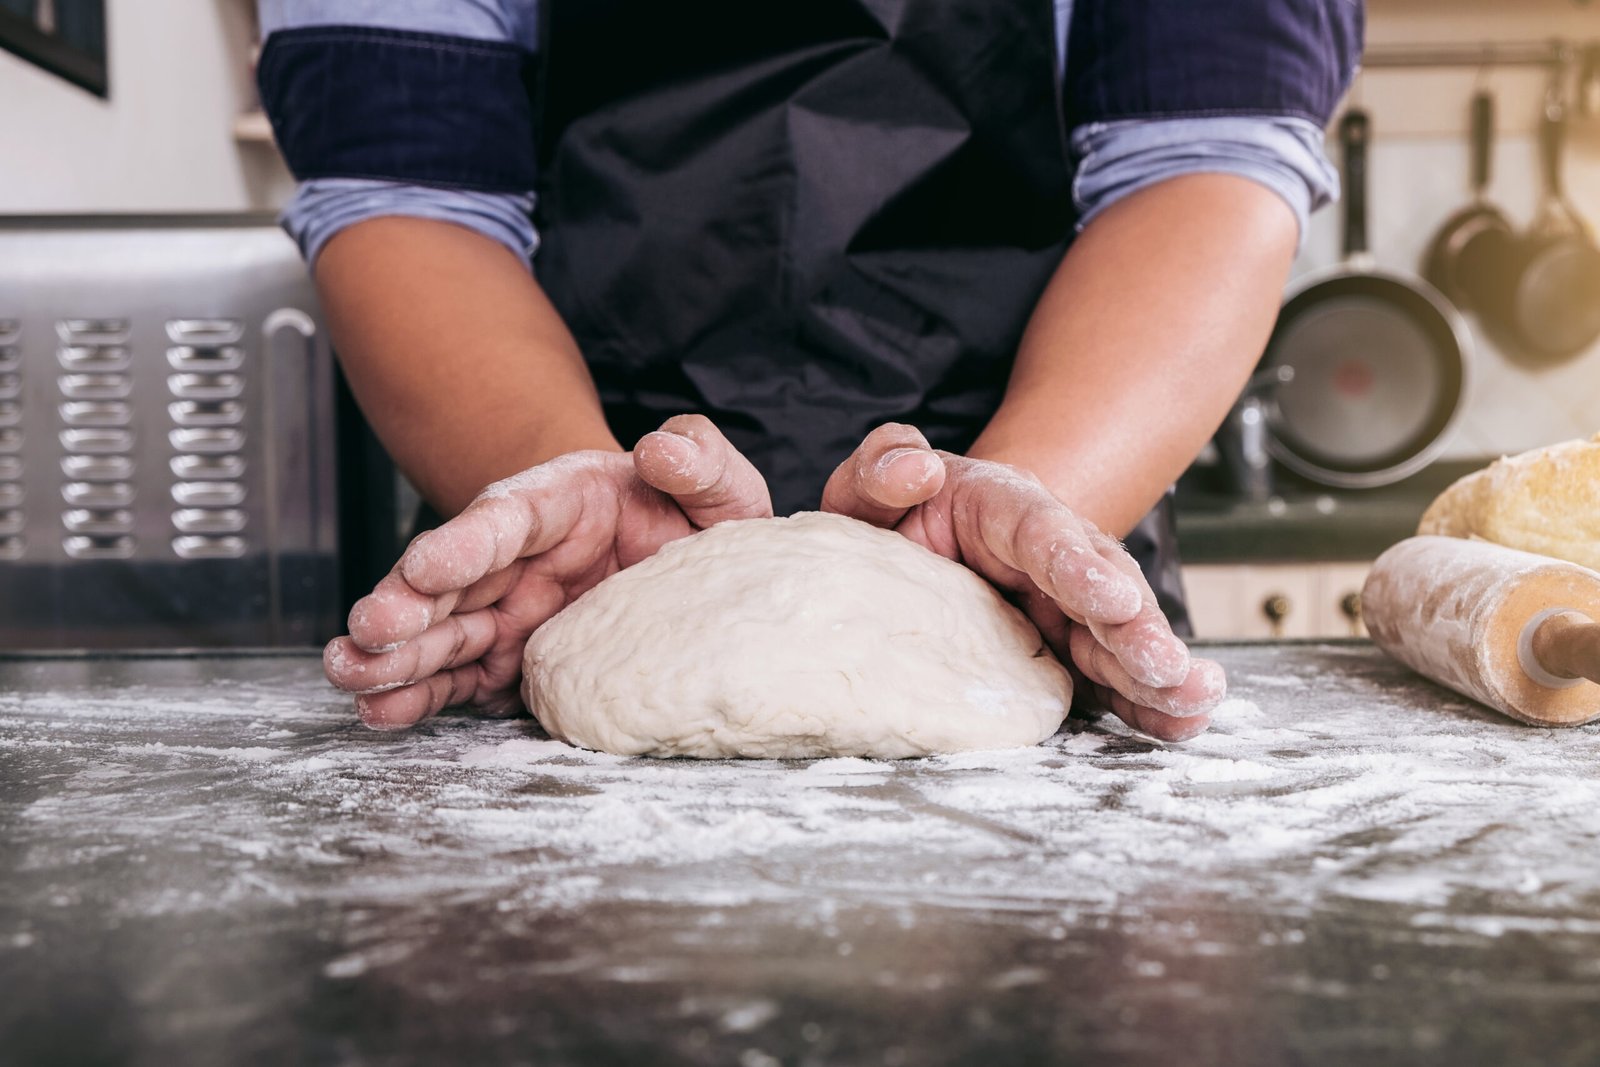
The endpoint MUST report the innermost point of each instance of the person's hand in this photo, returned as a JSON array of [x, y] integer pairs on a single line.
[[448, 624], [1077, 584]]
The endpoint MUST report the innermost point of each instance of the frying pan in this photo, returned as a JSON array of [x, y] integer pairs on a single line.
[[1548, 308], [1379, 360], [1470, 257]]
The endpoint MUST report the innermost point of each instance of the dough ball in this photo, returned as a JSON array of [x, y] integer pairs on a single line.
[[792, 638], [1545, 501]]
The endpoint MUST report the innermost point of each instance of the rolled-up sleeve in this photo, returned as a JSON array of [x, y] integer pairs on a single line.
[[418, 108], [1116, 159], [322, 207], [1152, 90]]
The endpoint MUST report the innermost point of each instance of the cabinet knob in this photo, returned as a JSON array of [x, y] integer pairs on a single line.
[[1350, 605], [1276, 608]]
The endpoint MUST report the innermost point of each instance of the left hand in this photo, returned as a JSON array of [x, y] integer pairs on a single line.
[[1078, 585]]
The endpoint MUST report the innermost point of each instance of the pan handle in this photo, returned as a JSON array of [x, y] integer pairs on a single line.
[[1482, 139], [1355, 130], [1552, 132]]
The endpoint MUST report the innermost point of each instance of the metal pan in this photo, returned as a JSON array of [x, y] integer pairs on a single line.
[[1379, 360], [1470, 255], [1548, 310]]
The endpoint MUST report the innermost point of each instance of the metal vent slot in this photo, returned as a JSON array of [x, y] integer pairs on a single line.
[[202, 521], [12, 518], [205, 331], [98, 495], [207, 441], [95, 413], [97, 468], [206, 413], [98, 523], [208, 468], [92, 331], [90, 546], [208, 494], [205, 360], [96, 360], [196, 546], [97, 442], [205, 386], [95, 386]]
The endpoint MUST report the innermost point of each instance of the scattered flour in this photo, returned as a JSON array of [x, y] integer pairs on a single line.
[[1367, 787], [1227, 770]]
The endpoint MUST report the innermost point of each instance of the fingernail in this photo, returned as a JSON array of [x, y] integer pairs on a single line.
[[386, 727], [673, 455], [893, 456]]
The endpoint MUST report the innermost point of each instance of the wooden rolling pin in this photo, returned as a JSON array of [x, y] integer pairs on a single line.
[[1516, 631]]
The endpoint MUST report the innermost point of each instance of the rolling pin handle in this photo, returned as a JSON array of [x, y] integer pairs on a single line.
[[1560, 649]]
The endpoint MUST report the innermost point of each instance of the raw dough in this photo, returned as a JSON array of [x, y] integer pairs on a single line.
[[790, 638], [1545, 501]]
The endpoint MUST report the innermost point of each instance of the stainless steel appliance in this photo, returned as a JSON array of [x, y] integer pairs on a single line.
[[167, 436]]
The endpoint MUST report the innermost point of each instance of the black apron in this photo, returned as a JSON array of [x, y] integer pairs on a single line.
[[806, 219]]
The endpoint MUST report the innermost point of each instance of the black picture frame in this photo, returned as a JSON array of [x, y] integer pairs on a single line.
[[75, 49]]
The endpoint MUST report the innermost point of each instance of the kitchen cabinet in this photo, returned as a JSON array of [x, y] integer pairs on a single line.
[[1247, 600]]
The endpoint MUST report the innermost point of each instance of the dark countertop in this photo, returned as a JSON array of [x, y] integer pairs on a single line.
[[205, 861], [1306, 523]]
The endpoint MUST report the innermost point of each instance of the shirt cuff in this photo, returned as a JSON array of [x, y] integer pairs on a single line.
[[322, 207], [1116, 159]]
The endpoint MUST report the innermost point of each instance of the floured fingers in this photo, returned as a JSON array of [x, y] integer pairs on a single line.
[[690, 460], [1193, 698]]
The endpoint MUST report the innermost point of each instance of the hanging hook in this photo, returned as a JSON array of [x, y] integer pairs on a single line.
[[1555, 89], [1354, 99], [1480, 80]]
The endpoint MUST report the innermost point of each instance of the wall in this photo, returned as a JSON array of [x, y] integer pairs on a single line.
[[163, 141], [1419, 177]]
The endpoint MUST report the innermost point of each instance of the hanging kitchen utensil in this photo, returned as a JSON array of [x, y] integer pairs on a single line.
[[1585, 124], [1380, 361], [1549, 309], [1472, 250]]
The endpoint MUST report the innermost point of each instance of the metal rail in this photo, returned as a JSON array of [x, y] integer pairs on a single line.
[[1487, 55]]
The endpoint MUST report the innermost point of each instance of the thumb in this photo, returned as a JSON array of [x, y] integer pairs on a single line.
[[893, 470], [691, 461]]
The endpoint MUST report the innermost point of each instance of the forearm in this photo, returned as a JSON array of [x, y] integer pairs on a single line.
[[457, 359], [1142, 341]]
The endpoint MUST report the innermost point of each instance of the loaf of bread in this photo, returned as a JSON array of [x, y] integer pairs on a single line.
[[1545, 501]]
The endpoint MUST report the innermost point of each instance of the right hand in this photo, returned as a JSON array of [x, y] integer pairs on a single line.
[[1078, 585], [448, 624]]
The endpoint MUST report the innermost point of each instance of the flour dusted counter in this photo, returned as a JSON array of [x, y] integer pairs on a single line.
[[206, 861]]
